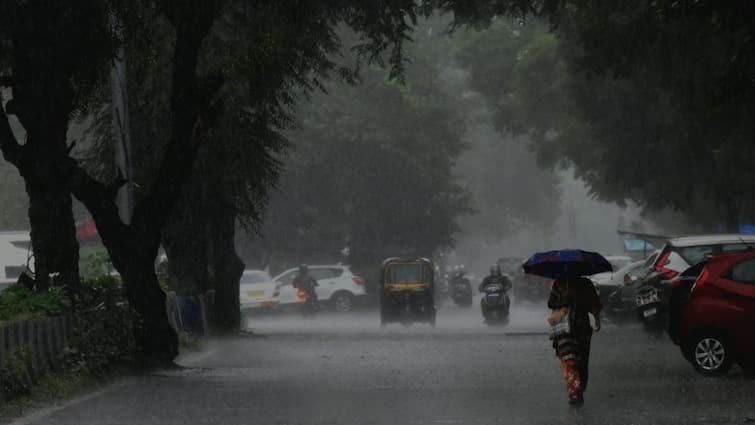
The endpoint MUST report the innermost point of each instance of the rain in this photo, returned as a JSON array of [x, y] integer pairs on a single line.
[[384, 212]]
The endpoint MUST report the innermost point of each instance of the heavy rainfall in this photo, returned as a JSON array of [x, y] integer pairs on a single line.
[[377, 212]]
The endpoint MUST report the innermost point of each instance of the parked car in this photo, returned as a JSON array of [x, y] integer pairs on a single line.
[[678, 255], [619, 302], [716, 328], [681, 253], [606, 283], [14, 254], [679, 293], [338, 287], [258, 291]]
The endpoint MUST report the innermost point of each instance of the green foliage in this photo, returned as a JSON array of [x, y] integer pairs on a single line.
[[15, 375], [96, 264], [372, 165], [625, 96], [102, 327], [19, 303]]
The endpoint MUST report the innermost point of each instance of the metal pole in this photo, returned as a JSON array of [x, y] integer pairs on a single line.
[[121, 133]]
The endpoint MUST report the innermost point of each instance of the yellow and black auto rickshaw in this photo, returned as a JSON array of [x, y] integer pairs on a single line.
[[406, 291]]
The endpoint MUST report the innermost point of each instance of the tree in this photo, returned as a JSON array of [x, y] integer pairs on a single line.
[[49, 77], [623, 96], [372, 166], [51, 59]]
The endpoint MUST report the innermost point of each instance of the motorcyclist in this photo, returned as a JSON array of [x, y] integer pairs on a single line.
[[459, 276], [496, 277], [304, 281]]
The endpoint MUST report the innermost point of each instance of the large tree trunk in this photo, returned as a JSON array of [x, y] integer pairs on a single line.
[[42, 102], [53, 233], [53, 230], [187, 251], [155, 338], [227, 269]]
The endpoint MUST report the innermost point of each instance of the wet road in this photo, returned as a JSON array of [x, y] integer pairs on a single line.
[[347, 370]]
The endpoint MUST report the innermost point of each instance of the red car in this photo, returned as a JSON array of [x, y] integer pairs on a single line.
[[717, 326]]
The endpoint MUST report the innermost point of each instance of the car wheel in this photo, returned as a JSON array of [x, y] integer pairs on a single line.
[[710, 355], [343, 302]]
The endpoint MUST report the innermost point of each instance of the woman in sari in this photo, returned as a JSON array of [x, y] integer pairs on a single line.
[[578, 296]]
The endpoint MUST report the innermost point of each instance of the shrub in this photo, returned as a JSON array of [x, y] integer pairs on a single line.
[[17, 302], [15, 376], [102, 327]]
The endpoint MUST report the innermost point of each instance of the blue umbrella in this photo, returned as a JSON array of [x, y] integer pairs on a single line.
[[565, 263]]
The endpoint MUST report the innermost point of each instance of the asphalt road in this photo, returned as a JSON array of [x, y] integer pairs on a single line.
[[347, 370]]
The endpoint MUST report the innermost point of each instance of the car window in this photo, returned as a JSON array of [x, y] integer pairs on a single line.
[[744, 272], [401, 273], [734, 247], [325, 273], [255, 277], [14, 272], [651, 260], [288, 277], [696, 254]]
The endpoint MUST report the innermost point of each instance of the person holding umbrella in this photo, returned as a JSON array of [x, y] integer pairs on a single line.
[[573, 298]]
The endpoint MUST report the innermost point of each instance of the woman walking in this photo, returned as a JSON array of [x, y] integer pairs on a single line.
[[576, 298]]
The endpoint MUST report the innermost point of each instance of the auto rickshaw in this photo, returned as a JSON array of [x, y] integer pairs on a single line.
[[406, 291]]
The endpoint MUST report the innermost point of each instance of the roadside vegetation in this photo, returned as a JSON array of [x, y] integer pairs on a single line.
[[225, 94]]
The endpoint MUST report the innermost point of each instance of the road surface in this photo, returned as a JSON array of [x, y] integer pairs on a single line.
[[345, 369]]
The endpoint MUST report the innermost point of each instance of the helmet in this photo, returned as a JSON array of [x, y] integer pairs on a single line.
[[303, 269], [495, 270]]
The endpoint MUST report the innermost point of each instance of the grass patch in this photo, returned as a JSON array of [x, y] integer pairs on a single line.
[[51, 388]]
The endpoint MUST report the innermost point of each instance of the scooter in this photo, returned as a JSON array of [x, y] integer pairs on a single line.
[[310, 306], [495, 305], [461, 292]]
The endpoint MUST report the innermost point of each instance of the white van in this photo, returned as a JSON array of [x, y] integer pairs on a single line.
[[14, 253]]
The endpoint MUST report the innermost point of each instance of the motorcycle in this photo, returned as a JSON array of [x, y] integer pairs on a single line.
[[495, 305], [461, 292], [310, 306]]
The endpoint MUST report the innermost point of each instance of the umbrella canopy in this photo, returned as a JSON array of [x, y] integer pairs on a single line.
[[565, 263]]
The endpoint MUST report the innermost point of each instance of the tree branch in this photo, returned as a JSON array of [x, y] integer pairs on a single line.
[[98, 198], [195, 108]]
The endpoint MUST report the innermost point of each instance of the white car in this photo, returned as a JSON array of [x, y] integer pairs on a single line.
[[338, 286], [617, 277], [258, 290], [681, 253], [14, 254]]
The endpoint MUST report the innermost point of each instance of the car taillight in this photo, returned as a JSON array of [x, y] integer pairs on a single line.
[[702, 278], [357, 280], [661, 261], [666, 274]]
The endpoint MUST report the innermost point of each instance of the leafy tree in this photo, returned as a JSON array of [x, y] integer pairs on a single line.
[[623, 96], [372, 166], [52, 56]]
